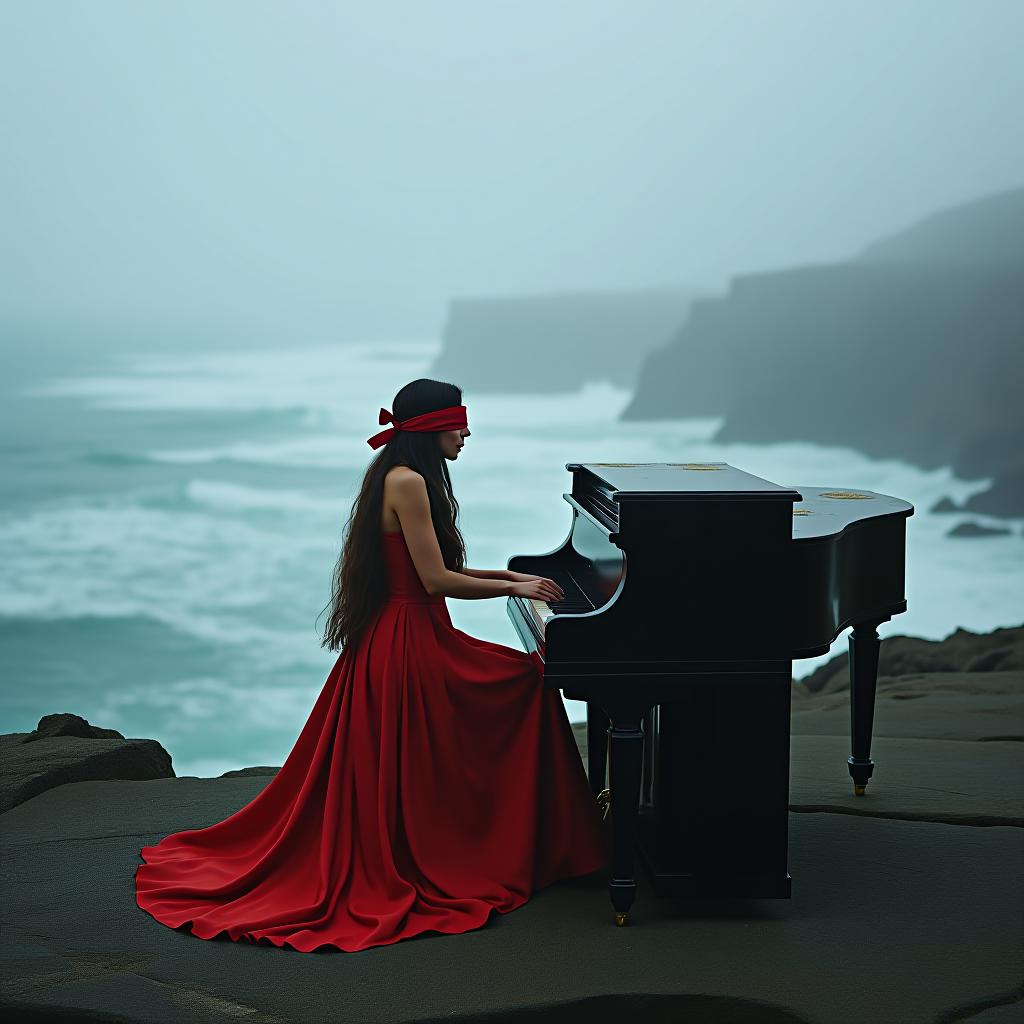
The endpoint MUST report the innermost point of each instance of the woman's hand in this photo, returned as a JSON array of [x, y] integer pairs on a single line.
[[536, 588]]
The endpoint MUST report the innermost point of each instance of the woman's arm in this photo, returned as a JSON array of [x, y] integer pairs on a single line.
[[508, 574], [487, 574], [408, 493], [408, 497]]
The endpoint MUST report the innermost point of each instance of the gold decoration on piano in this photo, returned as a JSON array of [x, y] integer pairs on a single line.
[[803, 511], [843, 494]]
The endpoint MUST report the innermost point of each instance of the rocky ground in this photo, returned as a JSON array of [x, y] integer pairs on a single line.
[[908, 902]]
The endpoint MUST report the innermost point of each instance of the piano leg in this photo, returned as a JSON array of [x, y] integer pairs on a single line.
[[597, 746], [626, 747], [864, 647]]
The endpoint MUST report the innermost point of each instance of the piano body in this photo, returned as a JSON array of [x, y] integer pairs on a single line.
[[689, 590]]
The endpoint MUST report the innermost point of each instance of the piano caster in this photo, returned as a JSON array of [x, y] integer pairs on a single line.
[[620, 917], [861, 770]]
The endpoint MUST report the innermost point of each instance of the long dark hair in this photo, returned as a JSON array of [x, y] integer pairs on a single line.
[[360, 581]]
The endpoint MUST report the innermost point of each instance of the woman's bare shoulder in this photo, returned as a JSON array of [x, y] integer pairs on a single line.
[[402, 476]]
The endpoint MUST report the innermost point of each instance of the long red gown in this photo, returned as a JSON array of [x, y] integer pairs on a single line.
[[435, 780]]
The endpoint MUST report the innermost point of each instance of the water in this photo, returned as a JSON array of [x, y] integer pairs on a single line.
[[170, 523]]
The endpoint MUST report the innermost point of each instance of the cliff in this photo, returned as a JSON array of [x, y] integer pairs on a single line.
[[910, 351], [556, 342], [988, 232]]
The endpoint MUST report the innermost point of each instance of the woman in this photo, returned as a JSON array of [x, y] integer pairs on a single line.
[[436, 778]]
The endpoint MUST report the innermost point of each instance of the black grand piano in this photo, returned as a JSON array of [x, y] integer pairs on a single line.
[[689, 590]]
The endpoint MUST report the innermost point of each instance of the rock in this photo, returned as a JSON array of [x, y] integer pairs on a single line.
[[258, 770], [984, 706], [1001, 650], [65, 748], [928, 763], [69, 725], [958, 782], [1008, 1010], [926, 850], [1005, 497], [76, 944], [971, 529], [945, 504]]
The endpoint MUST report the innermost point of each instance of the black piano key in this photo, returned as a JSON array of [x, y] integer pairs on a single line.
[[564, 607], [574, 593]]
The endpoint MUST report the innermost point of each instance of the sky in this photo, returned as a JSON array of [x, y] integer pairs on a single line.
[[340, 171]]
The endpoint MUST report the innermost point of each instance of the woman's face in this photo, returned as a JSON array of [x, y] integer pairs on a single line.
[[451, 441]]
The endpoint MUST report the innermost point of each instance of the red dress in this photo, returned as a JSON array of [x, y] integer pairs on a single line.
[[435, 780]]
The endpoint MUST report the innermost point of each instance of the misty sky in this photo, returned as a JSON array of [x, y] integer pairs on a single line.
[[336, 170]]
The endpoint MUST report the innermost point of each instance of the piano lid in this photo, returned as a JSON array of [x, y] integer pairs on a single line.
[[661, 481], [826, 512]]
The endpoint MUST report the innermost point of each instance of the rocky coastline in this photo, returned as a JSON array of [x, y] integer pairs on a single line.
[[912, 350], [554, 342]]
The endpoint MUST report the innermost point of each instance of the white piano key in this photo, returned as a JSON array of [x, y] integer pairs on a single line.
[[541, 613]]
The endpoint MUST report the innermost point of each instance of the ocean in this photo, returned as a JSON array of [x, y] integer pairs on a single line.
[[170, 522]]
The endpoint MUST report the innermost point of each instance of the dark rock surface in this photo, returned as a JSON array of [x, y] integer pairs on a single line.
[[65, 748], [909, 351], [1002, 650], [906, 907], [981, 706], [908, 901], [69, 725], [555, 342], [953, 781]]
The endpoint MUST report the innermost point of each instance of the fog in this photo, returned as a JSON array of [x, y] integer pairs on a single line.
[[329, 171]]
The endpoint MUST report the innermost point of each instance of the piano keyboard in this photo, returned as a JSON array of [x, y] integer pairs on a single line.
[[542, 611], [575, 600]]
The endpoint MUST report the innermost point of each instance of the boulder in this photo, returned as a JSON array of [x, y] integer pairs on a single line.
[[971, 529], [1002, 650], [1005, 497], [65, 748], [70, 725]]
